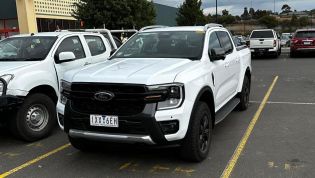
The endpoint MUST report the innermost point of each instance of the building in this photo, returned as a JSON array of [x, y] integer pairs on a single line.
[[30, 16], [8, 18], [165, 15]]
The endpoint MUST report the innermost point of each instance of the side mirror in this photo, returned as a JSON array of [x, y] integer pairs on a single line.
[[113, 51], [217, 54], [65, 57]]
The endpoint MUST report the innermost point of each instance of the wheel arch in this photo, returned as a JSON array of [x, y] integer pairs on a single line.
[[205, 95], [47, 90]]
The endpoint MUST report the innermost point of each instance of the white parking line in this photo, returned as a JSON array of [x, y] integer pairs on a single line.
[[282, 102]]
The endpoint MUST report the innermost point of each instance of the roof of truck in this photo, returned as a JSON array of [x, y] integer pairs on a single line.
[[181, 28], [53, 34]]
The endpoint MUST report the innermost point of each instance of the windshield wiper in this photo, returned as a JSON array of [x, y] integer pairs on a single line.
[[33, 59]]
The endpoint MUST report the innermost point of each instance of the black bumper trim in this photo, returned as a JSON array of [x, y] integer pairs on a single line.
[[147, 118], [9, 101]]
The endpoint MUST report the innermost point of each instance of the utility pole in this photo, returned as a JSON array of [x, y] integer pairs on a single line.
[[216, 11], [274, 7]]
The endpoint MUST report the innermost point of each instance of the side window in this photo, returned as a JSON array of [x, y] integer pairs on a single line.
[[225, 41], [96, 44], [237, 41], [72, 44], [214, 41]]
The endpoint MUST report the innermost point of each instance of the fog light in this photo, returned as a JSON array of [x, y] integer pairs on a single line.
[[169, 127]]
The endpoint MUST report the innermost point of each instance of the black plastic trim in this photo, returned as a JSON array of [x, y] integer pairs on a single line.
[[8, 101], [5, 85]]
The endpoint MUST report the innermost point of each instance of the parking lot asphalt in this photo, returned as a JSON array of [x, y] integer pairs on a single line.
[[281, 143]]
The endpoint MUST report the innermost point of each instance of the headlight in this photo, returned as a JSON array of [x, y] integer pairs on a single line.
[[65, 89], [174, 95], [4, 81]]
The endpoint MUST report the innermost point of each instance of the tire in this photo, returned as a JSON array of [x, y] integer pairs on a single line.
[[276, 54], [293, 54], [244, 95], [81, 144], [196, 145], [35, 119]]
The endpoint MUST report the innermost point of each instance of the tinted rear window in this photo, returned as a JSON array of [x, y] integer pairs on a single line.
[[262, 34], [305, 34]]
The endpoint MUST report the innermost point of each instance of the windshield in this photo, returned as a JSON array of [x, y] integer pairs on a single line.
[[33, 48], [166, 44], [305, 34], [262, 34]]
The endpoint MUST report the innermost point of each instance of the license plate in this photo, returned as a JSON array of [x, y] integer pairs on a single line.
[[307, 43], [104, 121]]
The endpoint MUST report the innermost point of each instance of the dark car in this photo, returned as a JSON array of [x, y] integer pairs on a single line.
[[303, 41]]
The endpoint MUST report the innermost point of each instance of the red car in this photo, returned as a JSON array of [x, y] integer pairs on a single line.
[[303, 41]]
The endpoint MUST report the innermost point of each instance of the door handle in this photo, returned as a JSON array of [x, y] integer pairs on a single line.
[[87, 63]]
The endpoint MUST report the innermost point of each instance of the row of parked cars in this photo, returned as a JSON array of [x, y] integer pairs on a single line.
[[269, 42], [164, 86]]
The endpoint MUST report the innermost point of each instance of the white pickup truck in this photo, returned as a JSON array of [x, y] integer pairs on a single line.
[[163, 86], [31, 67], [265, 42]]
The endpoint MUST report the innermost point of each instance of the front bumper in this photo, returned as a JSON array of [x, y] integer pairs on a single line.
[[140, 128], [124, 138], [9, 102]]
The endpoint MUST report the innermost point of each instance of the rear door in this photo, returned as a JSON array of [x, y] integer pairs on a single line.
[[225, 72], [232, 61], [262, 39], [70, 44], [99, 49]]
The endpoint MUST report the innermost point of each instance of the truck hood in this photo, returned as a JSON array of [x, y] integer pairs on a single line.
[[131, 70], [12, 67]]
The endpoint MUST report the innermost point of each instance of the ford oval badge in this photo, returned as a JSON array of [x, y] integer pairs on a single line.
[[104, 96]]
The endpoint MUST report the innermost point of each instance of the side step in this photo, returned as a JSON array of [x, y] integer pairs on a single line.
[[226, 110]]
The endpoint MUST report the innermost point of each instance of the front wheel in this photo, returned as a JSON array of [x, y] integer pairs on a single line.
[[196, 144], [244, 95], [35, 119]]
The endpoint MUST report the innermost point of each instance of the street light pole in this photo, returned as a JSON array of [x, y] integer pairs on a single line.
[[216, 11]]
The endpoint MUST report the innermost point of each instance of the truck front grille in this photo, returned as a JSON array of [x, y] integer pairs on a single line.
[[128, 100]]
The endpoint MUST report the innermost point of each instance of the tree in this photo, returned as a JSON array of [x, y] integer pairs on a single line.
[[286, 8], [115, 14], [226, 19], [294, 21], [261, 13], [225, 12], [268, 21], [252, 12], [245, 15], [142, 13], [304, 21], [190, 13]]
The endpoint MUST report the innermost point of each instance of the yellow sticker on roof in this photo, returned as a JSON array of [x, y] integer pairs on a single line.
[[200, 31]]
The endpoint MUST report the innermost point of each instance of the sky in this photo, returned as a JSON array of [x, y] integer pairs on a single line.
[[236, 7]]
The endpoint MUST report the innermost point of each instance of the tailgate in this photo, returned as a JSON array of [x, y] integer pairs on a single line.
[[261, 43]]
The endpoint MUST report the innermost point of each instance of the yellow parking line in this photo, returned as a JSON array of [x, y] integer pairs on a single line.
[[29, 163], [230, 166]]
